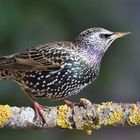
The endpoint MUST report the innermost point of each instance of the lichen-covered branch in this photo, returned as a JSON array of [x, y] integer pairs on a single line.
[[85, 117]]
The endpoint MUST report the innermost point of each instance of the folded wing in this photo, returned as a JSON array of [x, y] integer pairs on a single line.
[[51, 57]]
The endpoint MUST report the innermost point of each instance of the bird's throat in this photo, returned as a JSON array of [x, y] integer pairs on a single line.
[[92, 56]]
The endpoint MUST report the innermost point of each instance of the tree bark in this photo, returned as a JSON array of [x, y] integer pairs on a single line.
[[85, 117]]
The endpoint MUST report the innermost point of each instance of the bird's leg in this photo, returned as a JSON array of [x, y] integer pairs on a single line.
[[69, 103], [37, 107]]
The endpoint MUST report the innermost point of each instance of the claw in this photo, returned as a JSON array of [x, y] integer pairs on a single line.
[[37, 107], [71, 104], [38, 110]]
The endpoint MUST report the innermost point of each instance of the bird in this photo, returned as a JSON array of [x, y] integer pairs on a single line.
[[59, 69]]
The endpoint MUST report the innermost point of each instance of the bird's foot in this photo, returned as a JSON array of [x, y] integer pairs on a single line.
[[71, 104], [38, 110], [37, 107]]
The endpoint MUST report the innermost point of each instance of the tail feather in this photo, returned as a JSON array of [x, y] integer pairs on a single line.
[[6, 61], [5, 64]]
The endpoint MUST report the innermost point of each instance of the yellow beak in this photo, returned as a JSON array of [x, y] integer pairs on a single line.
[[119, 34]]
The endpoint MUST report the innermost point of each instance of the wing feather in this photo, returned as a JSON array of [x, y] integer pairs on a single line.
[[49, 57]]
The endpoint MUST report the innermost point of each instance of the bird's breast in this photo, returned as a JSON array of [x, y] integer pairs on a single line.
[[59, 84]]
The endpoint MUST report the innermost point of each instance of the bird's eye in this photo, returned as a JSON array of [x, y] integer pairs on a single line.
[[105, 35]]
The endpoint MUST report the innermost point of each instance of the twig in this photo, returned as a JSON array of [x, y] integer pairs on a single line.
[[86, 117]]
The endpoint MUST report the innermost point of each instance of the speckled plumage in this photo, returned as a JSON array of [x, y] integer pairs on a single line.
[[59, 69], [61, 72]]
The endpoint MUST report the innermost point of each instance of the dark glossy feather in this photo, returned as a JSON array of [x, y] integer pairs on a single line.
[[50, 57]]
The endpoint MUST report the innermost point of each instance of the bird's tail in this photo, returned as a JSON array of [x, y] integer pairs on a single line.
[[5, 63]]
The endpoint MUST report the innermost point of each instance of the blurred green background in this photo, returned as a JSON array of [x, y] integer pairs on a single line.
[[24, 23]]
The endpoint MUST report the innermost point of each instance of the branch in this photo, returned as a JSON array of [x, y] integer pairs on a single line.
[[86, 117]]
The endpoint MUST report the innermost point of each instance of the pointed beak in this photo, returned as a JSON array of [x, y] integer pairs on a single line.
[[116, 35]]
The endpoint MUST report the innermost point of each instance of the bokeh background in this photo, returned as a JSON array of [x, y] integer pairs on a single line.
[[24, 23]]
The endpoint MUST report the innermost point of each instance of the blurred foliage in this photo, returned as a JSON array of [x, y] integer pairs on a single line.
[[24, 23]]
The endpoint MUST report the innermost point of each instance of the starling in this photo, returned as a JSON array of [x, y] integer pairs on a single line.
[[60, 69]]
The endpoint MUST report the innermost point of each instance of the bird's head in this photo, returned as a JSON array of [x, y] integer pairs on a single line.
[[95, 41], [98, 38]]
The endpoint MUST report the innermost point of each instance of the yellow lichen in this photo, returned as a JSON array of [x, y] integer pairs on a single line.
[[5, 114], [62, 118], [114, 117], [100, 107], [88, 127], [134, 116]]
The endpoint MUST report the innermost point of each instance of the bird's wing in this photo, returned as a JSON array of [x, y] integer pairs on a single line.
[[49, 57]]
